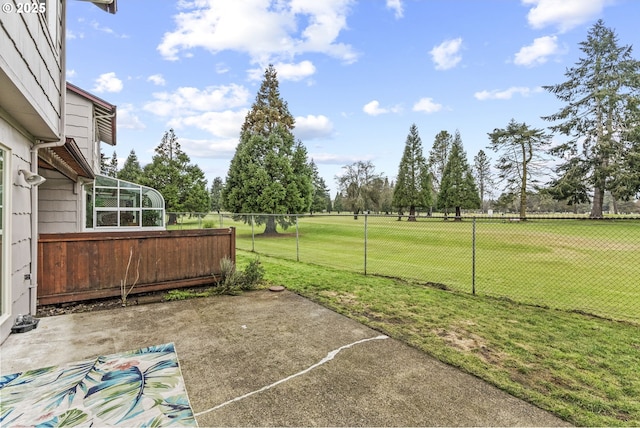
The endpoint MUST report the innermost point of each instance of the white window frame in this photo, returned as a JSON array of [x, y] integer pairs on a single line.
[[138, 209], [5, 236]]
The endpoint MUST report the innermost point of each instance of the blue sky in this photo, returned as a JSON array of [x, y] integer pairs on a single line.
[[355, 74]]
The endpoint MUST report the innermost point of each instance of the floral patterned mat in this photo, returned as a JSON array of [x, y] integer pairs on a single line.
[[135, 388]]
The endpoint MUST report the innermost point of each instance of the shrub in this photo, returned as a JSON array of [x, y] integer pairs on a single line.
[[233, 282], [208, 224]]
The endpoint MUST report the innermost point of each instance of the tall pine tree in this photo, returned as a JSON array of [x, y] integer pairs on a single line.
[[216, 194], [182, 184], [269, 172], [413, 185], [458, 188], [131, 170], [602, 94]]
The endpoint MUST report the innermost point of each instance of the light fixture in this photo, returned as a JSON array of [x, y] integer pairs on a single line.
[[32, 178]]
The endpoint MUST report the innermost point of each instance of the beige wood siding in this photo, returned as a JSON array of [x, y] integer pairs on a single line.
[[20, 230], [59, 205], [30, 71], [79, 124]]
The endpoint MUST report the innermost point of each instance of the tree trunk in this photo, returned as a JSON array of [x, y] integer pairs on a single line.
[[458, 214], [598, 200], [270, 229], [412, 214]]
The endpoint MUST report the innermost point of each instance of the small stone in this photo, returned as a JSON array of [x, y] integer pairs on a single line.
[[276, 288]]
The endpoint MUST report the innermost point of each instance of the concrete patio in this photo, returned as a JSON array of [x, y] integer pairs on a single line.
[[277, 359]]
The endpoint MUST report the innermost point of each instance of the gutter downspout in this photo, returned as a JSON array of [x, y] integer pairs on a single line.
[[33, 285]]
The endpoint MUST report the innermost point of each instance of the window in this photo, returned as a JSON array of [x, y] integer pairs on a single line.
[[116, 203]]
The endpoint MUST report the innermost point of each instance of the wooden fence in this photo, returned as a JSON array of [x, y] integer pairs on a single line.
[[82, 266]]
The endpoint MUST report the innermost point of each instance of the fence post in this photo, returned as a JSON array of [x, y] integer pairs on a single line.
[[365, 242], [221, 225], [297, 242], [253, 241], [473, 258]]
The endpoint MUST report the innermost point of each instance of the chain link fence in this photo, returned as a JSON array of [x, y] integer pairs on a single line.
[[576, 264]]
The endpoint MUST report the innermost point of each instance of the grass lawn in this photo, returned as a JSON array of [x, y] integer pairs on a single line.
[[589, 266], [584, 369]]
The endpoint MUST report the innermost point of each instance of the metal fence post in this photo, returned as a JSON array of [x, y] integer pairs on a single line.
[[221, 225], [253, 240], [365, 242], [297, 241], [473, 258]]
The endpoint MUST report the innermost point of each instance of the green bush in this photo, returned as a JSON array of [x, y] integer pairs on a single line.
[[208, 224], [233, 282]]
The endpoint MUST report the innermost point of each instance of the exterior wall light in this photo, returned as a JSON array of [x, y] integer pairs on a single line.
[[32, 178]]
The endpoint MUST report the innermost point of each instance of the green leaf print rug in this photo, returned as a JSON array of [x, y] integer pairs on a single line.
[[135, 388]]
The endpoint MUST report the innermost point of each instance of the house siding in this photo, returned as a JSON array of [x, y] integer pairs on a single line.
[[31, 106], [20, 231], [59, 198], [79, 125], [59, 204], [31, 63]]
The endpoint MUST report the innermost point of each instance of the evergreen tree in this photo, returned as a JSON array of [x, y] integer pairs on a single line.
[[269, 172], [182, 185], [521, 149], [413, 186], [110, 168], [216, 194], [131, 170], [570, 185], [482, 174], [458, 188], [321, 199], [602, 94], [103, 163], [438, 157]]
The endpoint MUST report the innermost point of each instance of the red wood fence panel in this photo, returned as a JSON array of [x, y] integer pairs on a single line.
[[82, 266]]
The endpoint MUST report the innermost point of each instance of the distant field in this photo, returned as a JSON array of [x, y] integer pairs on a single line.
[[590, 266]]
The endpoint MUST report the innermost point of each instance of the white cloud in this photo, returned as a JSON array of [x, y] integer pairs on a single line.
[[108, 82], [267, 30], [71, 74], [157, 79], [293, 72], [373, 108], [96, 26], [538, 52], [127, 119], [396, 5], [187, 100], [70, 34], [335, 159], [427, 105], [310, 127], [211, 149], [223, 124], [446, 54], [563, 14], [506, 94]]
